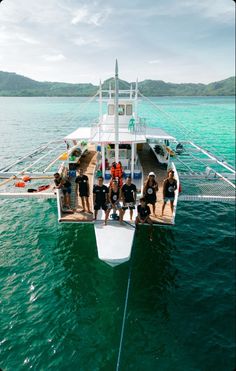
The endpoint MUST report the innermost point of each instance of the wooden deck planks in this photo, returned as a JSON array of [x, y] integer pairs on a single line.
[[149, 163], [88, 164]]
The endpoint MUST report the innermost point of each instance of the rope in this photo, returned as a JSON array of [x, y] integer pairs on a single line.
[[185, 130], [125, 307]]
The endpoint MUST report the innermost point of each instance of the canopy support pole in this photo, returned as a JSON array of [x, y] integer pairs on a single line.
[[103, 160], [116, 114], [132, 160]]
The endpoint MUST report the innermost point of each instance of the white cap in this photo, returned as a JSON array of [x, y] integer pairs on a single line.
[[151, 173]]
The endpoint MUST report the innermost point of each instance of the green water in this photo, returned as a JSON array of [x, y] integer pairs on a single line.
[[62, 308]]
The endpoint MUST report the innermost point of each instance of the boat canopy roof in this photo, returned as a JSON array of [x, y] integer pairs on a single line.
[[157, 133], [82, 133], [125, 136]]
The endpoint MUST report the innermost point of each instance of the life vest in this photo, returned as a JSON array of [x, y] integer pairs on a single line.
[[26, 178], [113, 171], [43, 188], [118, 170], [20, 184]]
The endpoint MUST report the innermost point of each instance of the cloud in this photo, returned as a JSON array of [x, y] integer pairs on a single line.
[[16, 36], [174, 40], [80, 15], [216, 10], [154, 61], [27, 39], [54, 58], [80, 41], [89, 16]]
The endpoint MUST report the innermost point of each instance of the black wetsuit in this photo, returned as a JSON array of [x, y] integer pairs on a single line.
[[128, 192], [100, 198], [57, 181], [150, 194], [83, 185], [143, 211], [114, 196], [169, 188]]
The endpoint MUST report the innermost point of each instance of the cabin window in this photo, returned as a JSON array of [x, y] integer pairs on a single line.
[[129, 110], [121, 110], [111, 109]]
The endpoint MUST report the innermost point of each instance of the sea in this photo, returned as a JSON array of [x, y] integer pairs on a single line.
[[61, 308]]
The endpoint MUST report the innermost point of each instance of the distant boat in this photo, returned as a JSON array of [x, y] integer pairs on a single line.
[[119, 136]]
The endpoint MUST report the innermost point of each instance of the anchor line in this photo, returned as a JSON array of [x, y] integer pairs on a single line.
[[125, 308]]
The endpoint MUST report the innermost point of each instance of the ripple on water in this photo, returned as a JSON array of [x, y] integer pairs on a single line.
[[62, 307]]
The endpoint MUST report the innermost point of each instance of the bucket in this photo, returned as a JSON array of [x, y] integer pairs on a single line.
[[127, 173], [137, 174], [107, 175], [72, 173]]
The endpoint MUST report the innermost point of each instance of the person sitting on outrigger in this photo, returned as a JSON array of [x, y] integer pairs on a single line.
[[114, 198], [143, 216], [169, 187], [82, 182], [65, 185], [129, 192], [149, 191]]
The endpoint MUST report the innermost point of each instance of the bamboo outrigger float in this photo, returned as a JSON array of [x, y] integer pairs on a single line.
[[120, 135]]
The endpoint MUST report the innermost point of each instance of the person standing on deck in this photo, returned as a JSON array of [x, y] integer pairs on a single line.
[[114, 201], [169, 187], [83, 184], [149, 191], [129, 192], [143, 216], [100, 197]]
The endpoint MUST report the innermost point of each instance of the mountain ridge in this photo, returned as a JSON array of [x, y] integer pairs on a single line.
[[12, 84]]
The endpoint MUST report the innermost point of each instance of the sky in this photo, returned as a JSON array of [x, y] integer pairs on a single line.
[[78, 41]]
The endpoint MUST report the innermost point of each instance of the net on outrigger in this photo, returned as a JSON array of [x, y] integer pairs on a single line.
[[203, 175]]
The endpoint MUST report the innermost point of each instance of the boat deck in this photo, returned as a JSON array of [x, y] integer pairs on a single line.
[[88, 164], [149, 163]]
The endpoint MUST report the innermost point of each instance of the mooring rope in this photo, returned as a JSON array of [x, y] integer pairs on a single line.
[[125, 307]]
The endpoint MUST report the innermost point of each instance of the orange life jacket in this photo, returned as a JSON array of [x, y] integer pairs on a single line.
[[113, 171], [118, 170]]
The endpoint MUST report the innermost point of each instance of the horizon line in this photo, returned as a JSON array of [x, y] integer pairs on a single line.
[[147, 79]]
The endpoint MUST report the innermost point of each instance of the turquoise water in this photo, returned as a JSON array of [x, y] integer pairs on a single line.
[[61, 308]]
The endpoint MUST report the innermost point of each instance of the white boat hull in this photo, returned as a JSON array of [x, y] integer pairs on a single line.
[[114, 242]]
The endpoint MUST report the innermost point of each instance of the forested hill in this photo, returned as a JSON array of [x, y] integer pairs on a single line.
[[12, 84]]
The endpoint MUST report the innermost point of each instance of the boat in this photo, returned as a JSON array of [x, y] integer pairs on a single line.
[[120, 135]]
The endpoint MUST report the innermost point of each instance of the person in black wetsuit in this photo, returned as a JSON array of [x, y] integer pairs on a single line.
[[149, 191], [129, 192], [144, 215], [82, 183], [100, 196], [65, 185], [114, 198], [169, 187]]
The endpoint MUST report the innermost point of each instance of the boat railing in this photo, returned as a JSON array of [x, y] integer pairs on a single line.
[[140, 127], [95, 129]]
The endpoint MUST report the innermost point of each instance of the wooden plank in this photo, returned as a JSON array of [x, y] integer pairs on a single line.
[[149, 163], [88, 164]]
